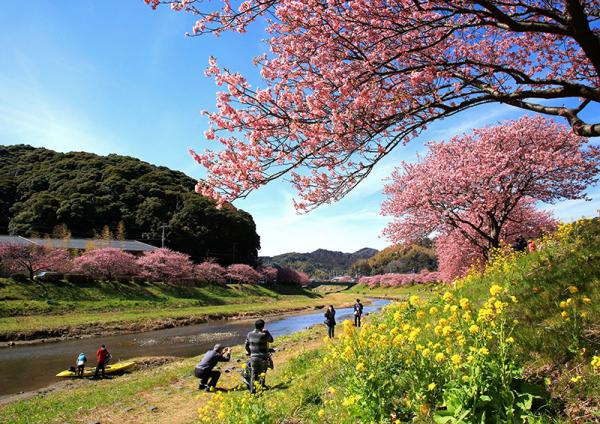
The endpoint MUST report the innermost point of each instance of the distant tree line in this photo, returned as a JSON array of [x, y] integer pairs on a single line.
[[87, 195]]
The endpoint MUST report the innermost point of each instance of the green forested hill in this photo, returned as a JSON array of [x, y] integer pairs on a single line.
[[41, 188]]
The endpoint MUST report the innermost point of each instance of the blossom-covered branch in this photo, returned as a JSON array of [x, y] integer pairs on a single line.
[[347, 82]]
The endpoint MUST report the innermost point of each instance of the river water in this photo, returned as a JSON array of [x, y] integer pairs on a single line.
[[31, 367]]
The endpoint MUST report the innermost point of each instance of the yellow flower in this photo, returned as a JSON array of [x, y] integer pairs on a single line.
[[420, 314], [349, 401], [584, 314], [331, 390], [360, 367], [596, 363], [576, 379], [495, 290], [473, 329], [514, 299], [464, 303], [564, 314], [447, 330], [439, 357], [456, 359], [431, 386], [562, 304], [321, 413], [510, 340], [433, 310], [573, 289], [569, 301], [426, 352], [587, 300], [447, 297], [414, 300], [465, 378], [484, 351]]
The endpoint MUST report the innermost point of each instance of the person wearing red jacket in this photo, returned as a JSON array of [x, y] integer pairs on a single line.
[[103, 356]]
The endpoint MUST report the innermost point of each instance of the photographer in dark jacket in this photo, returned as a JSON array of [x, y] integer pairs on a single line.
[[204, 370], [330, 321], [358, 311], [257, 347]]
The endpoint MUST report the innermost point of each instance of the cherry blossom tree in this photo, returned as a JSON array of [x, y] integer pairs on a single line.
[[457, 253], [347, 82], [106, 262], [286, 275], [482, 183], [242, 273], [165, 265], [210, 272], [269, 274], [33, 258]]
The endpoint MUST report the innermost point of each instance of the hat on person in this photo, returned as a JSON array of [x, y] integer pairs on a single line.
[[218, 347]]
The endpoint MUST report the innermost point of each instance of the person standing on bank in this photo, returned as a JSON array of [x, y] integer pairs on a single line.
[[81, 360], [358, 311], [204, 370], [103, 356], [330, 321]]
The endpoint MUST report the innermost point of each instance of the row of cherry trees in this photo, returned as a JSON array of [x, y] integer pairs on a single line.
[[400, 280], [158, 265]]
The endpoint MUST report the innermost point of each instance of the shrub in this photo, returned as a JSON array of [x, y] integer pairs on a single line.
[[20, 278], [51, 277], [76, 278], [124, 279], [138, 279]]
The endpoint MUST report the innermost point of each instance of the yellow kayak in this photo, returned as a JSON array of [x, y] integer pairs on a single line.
[[89, 371]]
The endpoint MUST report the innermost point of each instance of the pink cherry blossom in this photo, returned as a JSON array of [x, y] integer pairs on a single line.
[[345, 83], [210, 272], [165, 265], [242, 273], [106, 262], [33, 258]]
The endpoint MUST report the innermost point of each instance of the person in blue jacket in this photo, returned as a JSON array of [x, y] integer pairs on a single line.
[[81, 360]]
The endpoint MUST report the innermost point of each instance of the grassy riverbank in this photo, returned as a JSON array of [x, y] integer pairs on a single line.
[[518, 342], [165, 394], [32, 310]]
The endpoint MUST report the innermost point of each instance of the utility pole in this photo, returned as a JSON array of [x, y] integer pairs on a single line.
[[162, 239]]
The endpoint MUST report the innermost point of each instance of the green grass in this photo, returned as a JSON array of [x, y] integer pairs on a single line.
[[53, 298], [423, 290], [29, 307]]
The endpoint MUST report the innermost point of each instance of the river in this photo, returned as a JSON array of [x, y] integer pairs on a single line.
[[31, 367]]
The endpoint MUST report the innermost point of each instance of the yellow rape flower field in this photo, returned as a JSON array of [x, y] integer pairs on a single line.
[[517, 342]]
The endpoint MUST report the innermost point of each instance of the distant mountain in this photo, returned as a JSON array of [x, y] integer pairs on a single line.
[[321, 263]]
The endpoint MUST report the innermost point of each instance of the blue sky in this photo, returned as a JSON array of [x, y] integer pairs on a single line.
[[117, 77]]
